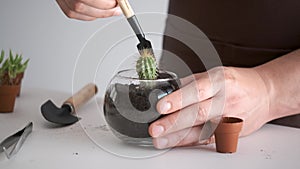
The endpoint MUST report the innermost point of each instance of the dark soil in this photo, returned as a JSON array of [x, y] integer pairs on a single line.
[[130, 109]]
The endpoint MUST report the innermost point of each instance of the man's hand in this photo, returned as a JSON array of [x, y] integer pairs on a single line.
[[227, 91], [89, 9]]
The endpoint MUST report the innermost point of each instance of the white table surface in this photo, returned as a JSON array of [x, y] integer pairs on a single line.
[[89, 144]]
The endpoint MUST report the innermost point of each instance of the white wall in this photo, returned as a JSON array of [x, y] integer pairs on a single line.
[[39, 30]]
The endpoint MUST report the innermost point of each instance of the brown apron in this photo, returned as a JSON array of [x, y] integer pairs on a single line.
[[244, 33]]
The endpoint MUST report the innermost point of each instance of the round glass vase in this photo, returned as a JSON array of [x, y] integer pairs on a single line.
[[130, 104]]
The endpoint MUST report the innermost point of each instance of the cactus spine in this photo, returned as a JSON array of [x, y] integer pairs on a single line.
[[146, 66]]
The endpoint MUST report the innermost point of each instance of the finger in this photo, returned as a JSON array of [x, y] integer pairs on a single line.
[[188, 79], [85, 9], [190, 116], [100, 4], [186, 137], [72, 14], [194, 92], [98, 13], [117, 11]]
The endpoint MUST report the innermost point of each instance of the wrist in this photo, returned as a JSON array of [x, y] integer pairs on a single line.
[[281, 78], [265, 75]]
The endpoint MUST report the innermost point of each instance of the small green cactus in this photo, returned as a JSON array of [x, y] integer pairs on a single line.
[[146, 66]]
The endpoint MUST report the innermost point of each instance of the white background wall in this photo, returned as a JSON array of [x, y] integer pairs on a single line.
[[40, 31]]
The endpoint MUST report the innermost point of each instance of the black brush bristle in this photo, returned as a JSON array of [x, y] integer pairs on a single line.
[[145, 45]]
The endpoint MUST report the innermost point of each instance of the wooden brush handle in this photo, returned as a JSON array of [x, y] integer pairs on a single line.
[[126, 8], [81, 97]]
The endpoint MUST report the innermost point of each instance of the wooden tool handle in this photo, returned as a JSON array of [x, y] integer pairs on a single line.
[[126, 8], [81, 97]]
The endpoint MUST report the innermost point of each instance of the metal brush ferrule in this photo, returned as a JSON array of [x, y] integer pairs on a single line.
[[134, 23]]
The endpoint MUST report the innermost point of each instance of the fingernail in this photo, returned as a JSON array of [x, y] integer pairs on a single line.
[[118, 11], [164, 108], [157, 131], [162, 143]]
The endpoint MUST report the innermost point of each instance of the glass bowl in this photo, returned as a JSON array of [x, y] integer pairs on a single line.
[[130, 104]]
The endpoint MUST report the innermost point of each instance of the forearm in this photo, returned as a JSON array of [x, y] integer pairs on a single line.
[[282, 79]]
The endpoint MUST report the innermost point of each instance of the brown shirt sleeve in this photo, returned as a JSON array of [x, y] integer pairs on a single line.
[[244, 33]]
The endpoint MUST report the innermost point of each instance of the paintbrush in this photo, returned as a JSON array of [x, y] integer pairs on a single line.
[[145, 45]]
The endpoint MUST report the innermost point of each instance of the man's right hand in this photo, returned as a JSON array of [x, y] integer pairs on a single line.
[[89, 9]]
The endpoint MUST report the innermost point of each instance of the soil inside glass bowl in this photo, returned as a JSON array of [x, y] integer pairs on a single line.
[[129, 109]]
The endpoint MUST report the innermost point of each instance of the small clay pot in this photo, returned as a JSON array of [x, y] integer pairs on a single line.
[[8, 94], [227, 134], [16, 81], [19, 81]]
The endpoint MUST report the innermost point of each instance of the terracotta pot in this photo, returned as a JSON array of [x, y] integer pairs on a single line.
[[19, 81], [16, 81], [227, 134], [8, 96]]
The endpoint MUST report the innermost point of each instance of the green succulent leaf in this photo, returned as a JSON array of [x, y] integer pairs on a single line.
[[1, 56], [11, 67]]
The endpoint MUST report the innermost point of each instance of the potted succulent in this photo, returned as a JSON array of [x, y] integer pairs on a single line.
[[11, 74], [131, 97]]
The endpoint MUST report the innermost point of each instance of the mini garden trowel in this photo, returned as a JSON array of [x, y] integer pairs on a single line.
[[144, 45], [65, 114]]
